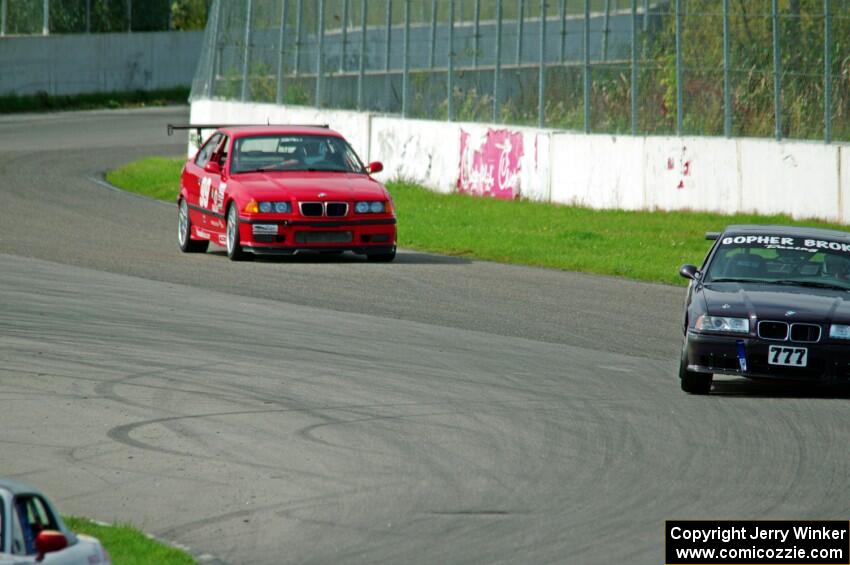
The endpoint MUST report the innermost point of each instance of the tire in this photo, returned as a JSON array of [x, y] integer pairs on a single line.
[[381, 257], [693, 382], [233, 244], [184, 232]]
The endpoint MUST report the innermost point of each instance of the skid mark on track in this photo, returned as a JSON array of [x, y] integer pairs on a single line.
[[308, 433], [107, 388], [284, 508]]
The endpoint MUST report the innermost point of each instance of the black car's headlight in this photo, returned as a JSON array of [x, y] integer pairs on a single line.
[[837, 331], [721, 324]]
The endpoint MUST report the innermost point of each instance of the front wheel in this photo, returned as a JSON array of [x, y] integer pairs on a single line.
[[184, 232], [693, 382], [234, 247]]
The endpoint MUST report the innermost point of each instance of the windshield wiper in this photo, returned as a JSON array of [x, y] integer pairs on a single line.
[[812, 284], [317, 170], [260, 170], [730, 279]]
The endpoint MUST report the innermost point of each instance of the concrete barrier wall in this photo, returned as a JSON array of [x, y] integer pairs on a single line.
[[801, 179], [102, 62]]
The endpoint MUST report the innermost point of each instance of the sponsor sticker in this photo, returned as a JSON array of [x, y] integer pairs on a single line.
[[778, 242]]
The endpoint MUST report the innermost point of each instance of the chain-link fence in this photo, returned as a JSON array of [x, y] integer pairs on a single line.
[[763, 68], [30, 17]]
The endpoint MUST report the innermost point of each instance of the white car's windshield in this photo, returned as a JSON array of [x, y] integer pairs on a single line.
[[781, 260], [294, 153]]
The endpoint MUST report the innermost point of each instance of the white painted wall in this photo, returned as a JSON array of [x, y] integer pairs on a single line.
[[598, 171], [798, 178], [423, 152]]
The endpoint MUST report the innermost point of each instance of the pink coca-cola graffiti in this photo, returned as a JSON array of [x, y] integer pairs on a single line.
[[490, 163]]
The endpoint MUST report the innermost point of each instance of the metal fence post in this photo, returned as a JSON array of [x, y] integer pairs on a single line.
[[45, 20], [299, 23], [586, 66], [343, 47], [387, 52], [727, 86], [88, 16], [679, 114], [449, 80], [215, 50], [320, 55], [281, 50], [476, 39], [389, 35], [433, 33], [3, 17], [247, 54], [405, 78], [827, 73], [645, 15], [362, 70], [605, 30], [129, 15], [777, 71], [541, 78], [562, 12], [634, 71], [520, 18], [497, 71]]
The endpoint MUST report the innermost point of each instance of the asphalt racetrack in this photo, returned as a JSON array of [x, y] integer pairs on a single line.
[[313, 410]]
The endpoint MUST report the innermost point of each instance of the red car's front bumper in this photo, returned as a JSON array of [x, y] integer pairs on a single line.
[[365, 235]]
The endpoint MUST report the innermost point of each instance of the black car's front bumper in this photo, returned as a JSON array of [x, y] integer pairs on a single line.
[[721, 354]]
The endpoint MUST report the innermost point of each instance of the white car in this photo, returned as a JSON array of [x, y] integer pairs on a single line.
[[31, 531]]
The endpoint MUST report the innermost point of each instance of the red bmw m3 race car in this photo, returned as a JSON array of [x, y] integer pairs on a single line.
[[283, 190]]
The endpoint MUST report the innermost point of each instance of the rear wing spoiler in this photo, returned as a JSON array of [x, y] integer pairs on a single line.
[[712, 235], [199, 127]]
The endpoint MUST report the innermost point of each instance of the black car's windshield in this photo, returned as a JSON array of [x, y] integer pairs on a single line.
[[781, 260], [294, 153]]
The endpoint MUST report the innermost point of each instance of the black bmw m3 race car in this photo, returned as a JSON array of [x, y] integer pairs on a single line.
[[768, 302]]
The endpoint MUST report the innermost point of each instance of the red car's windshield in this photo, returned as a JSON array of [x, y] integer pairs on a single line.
[[294, 153]]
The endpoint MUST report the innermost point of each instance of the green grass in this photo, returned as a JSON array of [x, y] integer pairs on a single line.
[[43, 102], [129, 546], [649, 246], [157, 177]]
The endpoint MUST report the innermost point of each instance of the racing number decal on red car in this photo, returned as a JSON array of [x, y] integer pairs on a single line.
[[204, 200]]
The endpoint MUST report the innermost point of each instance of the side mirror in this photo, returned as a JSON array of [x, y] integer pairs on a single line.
[[48, 541], [213, 167], [689, 272], [375, 167]]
